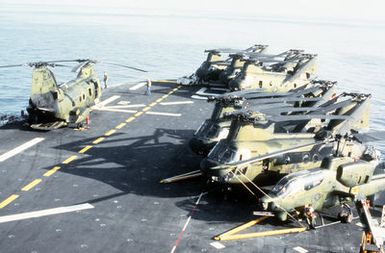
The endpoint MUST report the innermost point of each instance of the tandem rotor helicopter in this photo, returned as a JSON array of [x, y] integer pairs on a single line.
[[217, 127], [252, 69], [275, 145], [53, 105]]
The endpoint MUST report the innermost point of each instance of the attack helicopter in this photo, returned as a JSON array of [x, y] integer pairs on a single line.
[[268, 147], [53, 105], [210, 70], [340, 179], [217, 127]]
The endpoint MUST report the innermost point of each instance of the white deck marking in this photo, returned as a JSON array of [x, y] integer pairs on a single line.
[[164, 114], [198, 97], [20, 149], [122, 102], [139, 85], [360, 224], [217, 245], [187, 222], [300, 249], [126, 106], [46, 212], [116, 110], [202, 92], [177, 103], [105, 102]]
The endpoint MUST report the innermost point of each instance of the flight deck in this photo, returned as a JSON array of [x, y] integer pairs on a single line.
[[98, 190]]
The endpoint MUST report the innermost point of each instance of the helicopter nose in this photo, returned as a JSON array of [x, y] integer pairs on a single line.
[[264, 203]]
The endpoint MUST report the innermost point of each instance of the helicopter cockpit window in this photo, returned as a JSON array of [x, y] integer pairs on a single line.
[[313, 180], [213, 131], [289, 183], [291, 186], [223, 153]]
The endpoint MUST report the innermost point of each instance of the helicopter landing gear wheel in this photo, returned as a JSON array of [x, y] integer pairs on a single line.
[[346, 214]]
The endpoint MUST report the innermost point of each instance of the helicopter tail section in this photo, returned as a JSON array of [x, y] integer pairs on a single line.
[[358, 110], [44, 89]]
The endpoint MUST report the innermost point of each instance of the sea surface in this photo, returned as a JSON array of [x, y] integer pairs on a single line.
[[171, 44]]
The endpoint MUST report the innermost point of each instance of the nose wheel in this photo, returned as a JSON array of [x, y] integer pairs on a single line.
[[346, 214]]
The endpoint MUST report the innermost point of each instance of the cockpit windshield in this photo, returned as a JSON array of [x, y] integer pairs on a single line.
[[304, 180], [222, 153]]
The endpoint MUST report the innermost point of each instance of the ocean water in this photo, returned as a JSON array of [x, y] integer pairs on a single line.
[[171, 44]]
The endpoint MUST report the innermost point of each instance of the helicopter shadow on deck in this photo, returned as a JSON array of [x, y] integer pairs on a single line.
[[135, 165]]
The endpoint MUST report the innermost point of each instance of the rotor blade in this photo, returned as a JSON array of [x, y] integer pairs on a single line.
[[12, 65], [79, 66], [74, 60], [307, 117], [274, 154], [124, 66], [371, 136], [284, 99]]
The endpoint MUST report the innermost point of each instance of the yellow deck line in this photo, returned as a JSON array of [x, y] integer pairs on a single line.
[[8, 200], [158, 100], [108, 133], [31, 185], [51, 171], [98, 140], [130, 119], [152, 104], [121, 125], [146, 109], [69, 159], [138, 114], [85, 149]]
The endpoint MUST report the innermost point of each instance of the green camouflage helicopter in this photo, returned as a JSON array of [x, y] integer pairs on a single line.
[[340, 179], [53, 105], [211, 69], [217, 127], [267, 147], [275, 73], [239, 59]]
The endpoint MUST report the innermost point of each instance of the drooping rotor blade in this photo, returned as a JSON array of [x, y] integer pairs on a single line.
[[73, 60], [79, 66], [12, 65], [278, 153], [284, 99], [124, 66], [371, 136], [307, 117]]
